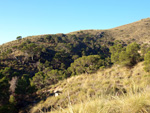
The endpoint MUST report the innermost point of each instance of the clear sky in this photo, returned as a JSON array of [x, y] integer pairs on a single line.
[[36, 17]]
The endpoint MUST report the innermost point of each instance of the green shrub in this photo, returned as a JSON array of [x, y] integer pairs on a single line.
[[12, 99], [147, 62], [128, 56], [115, 52], [53, 76], [86, 64], [144, 49], [38, 80], [4, 90]]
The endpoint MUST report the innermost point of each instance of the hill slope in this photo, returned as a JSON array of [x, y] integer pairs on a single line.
[[116, 89], [139, 31], [33, 64]]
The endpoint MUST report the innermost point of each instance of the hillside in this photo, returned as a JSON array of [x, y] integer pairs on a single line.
[[112, 90], [138, 31], [32, 69]]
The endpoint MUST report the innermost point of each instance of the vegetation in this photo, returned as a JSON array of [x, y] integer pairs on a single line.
[[116, 89], [125, 104], [127, 56], [86, 64], [147, 62], [19, 37], [32, 68]]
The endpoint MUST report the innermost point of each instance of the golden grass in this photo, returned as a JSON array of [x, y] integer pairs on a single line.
[[112, 90], [137, 31], [131, 103]]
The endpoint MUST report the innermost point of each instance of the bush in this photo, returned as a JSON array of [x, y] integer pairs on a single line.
[[115, 52], [4, 90], [128, 56], [12, 99], [144, 49], [19, 37], [52, 77], [86, 64], [147, 62], [38, 80]]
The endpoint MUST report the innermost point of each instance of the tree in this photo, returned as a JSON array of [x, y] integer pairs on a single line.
[[86, 64], [4, 90], [7, 71], [23, 86], [130, 56], [53, 76], [144, 49], [38, 80], [147, 62], [115, 52], [31, 49], [19, 37]]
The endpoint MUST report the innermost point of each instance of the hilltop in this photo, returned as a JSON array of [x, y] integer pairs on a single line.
[[138, 31]]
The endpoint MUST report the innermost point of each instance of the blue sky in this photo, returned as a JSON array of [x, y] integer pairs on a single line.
[[36, 17]]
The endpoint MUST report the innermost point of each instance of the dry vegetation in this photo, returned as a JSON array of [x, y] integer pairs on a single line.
[[116, 89], [138, 31], [131, 103]]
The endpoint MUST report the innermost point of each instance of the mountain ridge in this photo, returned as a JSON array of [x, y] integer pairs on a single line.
[[144, 22]]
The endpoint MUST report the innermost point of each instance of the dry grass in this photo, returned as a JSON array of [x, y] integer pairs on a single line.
[[113, 90], [138, 31], [131, 103]]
